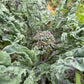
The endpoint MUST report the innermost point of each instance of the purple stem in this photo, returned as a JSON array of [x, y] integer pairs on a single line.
[[43, 82]]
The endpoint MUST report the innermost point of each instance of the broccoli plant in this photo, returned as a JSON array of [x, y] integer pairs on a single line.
[[37, 48]]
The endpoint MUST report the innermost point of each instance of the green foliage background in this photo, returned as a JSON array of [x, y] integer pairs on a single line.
[[23, 63]]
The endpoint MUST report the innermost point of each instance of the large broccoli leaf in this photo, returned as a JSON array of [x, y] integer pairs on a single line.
[[5, 58], [11, 74], [25, 56]]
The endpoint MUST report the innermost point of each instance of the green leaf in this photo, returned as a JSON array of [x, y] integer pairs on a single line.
[[11, 75], [77, 77], [30, 79], [25, 56], [78, 64], [4, 58], [58, 71]]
